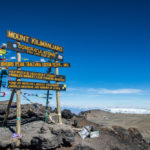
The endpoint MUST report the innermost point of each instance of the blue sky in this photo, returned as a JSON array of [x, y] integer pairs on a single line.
[[107, 43]]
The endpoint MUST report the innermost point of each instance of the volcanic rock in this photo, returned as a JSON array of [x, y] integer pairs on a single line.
[[131, 136], [38, 135], [83, 147], [67, 114], [45, 136]]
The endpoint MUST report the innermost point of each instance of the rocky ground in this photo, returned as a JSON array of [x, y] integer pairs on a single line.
[[107, 119], [38, 135]]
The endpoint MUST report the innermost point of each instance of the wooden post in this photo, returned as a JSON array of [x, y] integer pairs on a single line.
[[58, 98], [1, 77], [18, 125], [8, 107], [47, 101]]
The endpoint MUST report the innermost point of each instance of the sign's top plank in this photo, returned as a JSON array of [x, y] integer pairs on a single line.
[[33, 41], [33, 64], [35, 75], [33, 51]]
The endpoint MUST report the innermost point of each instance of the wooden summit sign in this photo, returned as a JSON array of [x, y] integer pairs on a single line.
[[35, 86], [33, 51], [33, 41], [33, 64], [35, 75], [18, 85]]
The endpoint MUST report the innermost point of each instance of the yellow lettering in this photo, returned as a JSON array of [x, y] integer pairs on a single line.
[[27, 39], [22, 37], [10, 34], [16, 36], [42, 43], [32, 40]]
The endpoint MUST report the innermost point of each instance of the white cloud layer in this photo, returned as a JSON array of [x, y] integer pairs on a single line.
[[71, 89], [115, 91]]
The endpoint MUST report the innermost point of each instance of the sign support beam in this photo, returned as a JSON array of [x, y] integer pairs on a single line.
[[58, 98], [47, 102], [18, 127], [8, 107]]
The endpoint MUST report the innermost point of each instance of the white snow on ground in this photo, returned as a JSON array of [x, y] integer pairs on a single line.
[[129, 110]]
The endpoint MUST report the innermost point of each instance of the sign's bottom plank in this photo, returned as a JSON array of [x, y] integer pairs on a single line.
[[36, 86]]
